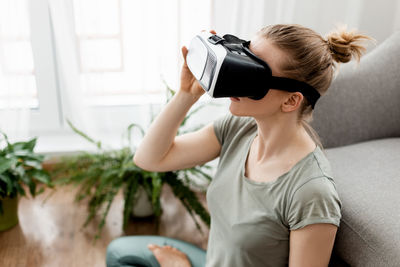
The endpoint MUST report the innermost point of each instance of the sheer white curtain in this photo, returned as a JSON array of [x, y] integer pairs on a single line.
[[113, 55], [14, 111], [73, 101], [17, 82]]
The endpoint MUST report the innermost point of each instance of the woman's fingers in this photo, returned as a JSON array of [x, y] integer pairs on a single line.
[[184, 52], [152, 246], [212, 31]]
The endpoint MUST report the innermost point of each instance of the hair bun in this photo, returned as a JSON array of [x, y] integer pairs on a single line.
[[345, 45]]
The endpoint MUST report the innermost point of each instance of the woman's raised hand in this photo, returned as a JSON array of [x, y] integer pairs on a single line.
[[189, 84]]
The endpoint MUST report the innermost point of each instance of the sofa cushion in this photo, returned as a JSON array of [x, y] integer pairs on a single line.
[[363, 101], [367, 177]]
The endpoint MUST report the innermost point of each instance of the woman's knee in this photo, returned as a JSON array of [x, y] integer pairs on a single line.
[[130, 251], [114, 252], [133, 251]]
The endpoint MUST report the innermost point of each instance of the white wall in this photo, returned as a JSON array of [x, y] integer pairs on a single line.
[[378, 19]]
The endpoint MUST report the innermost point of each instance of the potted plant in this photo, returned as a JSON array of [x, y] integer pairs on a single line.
[[20, 167], [102, 174]]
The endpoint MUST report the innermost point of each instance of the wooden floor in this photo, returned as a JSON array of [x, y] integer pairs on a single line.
[[50, 233]]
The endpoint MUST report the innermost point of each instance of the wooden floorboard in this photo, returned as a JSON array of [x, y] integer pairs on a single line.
[[50, 231]]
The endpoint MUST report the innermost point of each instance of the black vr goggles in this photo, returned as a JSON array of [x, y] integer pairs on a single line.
[[225, 67]]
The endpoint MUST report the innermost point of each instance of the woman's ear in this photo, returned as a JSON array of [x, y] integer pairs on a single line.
[[292, 102]]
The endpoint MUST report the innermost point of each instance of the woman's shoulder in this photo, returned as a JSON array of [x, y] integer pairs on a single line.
[[316, 201], [322, 163], [313, 172]]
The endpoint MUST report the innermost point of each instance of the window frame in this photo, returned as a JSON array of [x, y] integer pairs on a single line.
[[49, 118]]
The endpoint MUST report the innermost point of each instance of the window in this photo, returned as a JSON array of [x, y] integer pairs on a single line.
[[119, 55], [17, 76], [127, 48]]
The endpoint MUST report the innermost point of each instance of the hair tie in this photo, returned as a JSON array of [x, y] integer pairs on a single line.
[[330, 47]]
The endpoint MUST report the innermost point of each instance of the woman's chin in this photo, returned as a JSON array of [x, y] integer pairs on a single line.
[[236, 110]]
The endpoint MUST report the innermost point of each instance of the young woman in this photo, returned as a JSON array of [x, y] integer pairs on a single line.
[[273, 200]]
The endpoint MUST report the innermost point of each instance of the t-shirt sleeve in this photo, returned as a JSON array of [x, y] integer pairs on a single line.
[[316, 201], [221, 127]]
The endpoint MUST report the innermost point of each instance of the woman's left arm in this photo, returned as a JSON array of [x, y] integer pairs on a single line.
[[311, 246]]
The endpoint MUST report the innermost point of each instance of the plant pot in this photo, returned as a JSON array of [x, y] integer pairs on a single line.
[[10, 216], [143, 206]]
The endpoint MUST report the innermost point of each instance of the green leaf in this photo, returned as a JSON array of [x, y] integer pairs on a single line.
[[129, 131], [109, 199], [205, 175], [8, 182], [5, 138], [133, 169], [157, 183], [21, 153], [30, 156], [40, 175], [187, 197], [129, 197], [85, 136], [32, 188], [7, 163], [29, 145], [18, 171], [20, 190], [26, 179], [41, 190], [33, 163]]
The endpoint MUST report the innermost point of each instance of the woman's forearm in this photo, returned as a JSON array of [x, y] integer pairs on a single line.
[[162, 132]]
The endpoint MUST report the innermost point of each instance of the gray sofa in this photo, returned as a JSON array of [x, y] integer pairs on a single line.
[[358, 121]]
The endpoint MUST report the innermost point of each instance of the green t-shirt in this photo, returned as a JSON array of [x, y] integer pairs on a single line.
[[251, 221]]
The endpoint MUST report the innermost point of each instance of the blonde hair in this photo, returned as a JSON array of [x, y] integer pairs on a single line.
[[313, 59]]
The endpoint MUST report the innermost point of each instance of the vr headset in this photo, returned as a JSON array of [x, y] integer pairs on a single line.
[[225, 67]]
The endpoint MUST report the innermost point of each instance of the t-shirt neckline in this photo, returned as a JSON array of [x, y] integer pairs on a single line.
[[243, 164]]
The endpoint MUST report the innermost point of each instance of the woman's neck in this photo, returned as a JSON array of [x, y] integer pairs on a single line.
[[281, 137]]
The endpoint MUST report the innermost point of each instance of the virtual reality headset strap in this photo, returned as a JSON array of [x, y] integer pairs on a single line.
[[281, 83]]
